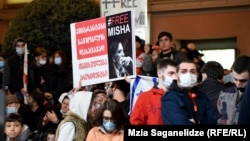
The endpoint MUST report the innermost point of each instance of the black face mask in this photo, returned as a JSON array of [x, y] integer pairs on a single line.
[[241, 89]]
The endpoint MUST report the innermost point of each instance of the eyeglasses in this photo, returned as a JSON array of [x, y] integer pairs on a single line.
[[241, 80], [107, 118]]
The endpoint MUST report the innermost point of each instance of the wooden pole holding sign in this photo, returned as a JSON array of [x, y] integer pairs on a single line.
[[25, 73]]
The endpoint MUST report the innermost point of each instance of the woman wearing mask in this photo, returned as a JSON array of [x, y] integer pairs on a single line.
[[37, 68], [99, 97], [57, 79], [109, 123]]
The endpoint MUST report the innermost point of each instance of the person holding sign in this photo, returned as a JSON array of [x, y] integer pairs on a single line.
[[120, 65]]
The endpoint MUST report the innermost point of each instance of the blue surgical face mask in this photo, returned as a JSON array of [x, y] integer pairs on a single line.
[[19, 50], [11, 110], [228, 78], [1, 64], [109, 126], [58, 60], [167, 81]]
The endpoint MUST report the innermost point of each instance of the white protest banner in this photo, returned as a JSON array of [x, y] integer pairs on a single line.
[[138, 85], [109, 7], [93, 58]]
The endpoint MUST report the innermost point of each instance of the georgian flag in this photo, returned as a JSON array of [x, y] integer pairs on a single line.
[[138, 85]]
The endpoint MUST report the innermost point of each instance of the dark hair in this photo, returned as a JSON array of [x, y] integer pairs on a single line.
[[51, 131], [12, 117], [191, 54], [119, 116], [141, 41], [63, 68], [241, 64], [165, 62], [19, 39], [150, 47], [113, 47], [164, 33], [186, 61], [213, 69], [122, 85], [98, 91], [39, 51], [138, 39], [65, 97], [38, 96]]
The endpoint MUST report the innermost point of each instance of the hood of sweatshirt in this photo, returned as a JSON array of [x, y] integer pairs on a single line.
[[79, 103]]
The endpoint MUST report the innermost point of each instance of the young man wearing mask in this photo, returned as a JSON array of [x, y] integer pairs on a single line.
[[147, 109], [183, 104], [13, 69], [230, 98]]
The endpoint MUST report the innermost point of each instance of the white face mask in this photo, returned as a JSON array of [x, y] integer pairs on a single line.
[[42, 62], [58, 60], [167, 80], [187, 80], [10, 110], [63, 113], [19, 50]]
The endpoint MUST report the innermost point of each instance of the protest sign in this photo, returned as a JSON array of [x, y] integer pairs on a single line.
[[93, 59]]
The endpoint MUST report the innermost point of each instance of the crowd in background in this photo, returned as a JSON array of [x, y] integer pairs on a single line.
[[189, 91]]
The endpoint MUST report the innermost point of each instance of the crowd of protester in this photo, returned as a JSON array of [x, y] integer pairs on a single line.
[[189, 92]]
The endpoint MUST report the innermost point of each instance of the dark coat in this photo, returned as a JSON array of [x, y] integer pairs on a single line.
[[34, 76], [212, 89], [57, 82], [13, 73], [244, 111], [175, 55], [178, 108]]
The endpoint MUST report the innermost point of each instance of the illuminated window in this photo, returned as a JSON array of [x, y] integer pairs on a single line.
[[224, 56], [221, 50], [17, 1]]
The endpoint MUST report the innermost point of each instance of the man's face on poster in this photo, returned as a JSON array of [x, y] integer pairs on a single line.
[[119, 54]]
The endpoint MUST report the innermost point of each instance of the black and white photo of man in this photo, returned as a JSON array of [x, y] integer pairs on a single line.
[[120, 65]]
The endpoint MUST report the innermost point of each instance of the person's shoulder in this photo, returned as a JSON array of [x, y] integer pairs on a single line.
[[178, 52], [67, 125], [95, 129], [11, 57], [171, 94]]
